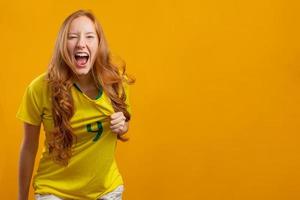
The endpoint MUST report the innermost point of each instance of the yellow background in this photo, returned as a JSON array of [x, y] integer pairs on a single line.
[[216, 103]]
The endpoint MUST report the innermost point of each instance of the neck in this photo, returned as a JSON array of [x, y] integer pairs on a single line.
[[84, 80]]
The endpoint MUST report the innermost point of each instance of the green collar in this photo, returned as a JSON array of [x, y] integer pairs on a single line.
[[99, 92]]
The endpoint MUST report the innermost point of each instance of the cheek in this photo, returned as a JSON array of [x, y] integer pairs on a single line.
[[70, 47], [94, 48]]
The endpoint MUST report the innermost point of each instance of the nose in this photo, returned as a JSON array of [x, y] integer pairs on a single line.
[[81, 43]]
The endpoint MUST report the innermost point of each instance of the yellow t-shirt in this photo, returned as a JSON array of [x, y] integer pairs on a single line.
[[92, 170]]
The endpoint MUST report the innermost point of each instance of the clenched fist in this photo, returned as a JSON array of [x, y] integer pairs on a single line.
[[118, 124]]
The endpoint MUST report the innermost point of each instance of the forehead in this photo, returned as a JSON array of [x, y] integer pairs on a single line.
[[82, 24]]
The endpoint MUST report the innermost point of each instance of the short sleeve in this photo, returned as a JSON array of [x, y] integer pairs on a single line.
[[30, 109]]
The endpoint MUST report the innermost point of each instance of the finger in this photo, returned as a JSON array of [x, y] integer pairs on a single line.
[[118, 130], [121, 124], [118, 120], [116, 115]]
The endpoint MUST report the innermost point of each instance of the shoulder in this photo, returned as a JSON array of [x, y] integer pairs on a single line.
[[39, 83], [38, 88]]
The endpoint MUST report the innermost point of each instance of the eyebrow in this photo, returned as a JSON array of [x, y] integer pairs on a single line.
[[90, 33], [85, 33]]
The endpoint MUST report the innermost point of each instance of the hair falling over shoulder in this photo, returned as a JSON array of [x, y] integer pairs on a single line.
[[60, 80]]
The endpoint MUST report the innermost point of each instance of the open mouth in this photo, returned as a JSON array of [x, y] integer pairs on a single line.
[[81, 58]]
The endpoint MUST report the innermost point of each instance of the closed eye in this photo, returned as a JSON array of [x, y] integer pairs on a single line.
[[72, 37]]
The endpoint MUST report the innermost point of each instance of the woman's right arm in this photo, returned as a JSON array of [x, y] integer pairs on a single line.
[[28, 152]]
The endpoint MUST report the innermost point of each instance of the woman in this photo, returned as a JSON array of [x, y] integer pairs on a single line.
[[82, 102]]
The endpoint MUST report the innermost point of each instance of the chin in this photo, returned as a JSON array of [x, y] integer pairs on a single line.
[[82, 72]]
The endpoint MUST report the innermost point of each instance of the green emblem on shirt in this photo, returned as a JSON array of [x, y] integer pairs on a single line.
[[99, 130]]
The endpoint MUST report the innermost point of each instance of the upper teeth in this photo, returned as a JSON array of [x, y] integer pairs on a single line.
[[81, 54]]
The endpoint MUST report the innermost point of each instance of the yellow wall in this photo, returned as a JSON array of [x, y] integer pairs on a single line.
[[216, 103]]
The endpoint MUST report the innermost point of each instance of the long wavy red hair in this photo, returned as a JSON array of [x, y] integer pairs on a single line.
[[107, 75]]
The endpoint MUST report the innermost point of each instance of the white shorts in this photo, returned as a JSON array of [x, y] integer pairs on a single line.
[[114, 195]]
